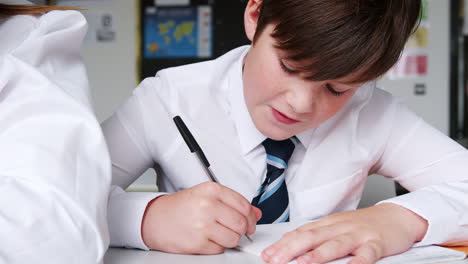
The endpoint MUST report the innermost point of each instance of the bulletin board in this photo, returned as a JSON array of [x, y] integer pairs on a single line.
[[414, 58]]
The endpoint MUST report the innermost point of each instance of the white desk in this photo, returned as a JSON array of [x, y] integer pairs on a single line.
[[132, 256]]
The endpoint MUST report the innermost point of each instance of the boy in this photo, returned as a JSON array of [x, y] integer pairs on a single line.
[[301, 99]]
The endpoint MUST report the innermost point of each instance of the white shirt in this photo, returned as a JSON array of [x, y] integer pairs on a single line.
[[55, 170], [373, 133]]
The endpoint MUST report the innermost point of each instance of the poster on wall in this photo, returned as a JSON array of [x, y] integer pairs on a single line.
[[178, 31], [414, 59], [100, 18]]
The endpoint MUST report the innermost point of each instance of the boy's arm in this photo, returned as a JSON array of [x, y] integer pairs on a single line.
[[125, 136], [435, 169]]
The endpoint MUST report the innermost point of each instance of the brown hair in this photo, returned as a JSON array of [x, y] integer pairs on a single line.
[[11, 10], [331, 39]]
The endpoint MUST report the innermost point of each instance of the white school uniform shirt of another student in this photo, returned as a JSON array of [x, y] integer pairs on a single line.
[[55, 170], [373, 133]]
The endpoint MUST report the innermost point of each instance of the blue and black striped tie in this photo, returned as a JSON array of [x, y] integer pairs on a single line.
[[272, 196]]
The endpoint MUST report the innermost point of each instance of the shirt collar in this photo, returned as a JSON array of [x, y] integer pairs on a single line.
[[305, 137], [249, 136]]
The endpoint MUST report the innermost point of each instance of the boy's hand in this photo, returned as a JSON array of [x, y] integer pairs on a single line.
[[369, 234], [204, 219]]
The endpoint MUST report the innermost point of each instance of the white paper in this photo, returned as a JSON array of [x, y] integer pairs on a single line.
[[268, 234]]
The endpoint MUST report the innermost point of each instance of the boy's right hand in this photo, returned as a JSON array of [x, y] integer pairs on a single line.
[[204, 219]]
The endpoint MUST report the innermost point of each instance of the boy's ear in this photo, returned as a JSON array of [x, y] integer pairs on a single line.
[[251, 14]]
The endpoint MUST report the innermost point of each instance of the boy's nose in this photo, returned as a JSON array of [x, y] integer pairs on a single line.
[[301, 99]]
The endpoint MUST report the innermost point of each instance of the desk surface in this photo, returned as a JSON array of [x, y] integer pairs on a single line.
[[133, 256]]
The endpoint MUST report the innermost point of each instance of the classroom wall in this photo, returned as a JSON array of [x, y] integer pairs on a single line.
[[112, 66], [112, 71]]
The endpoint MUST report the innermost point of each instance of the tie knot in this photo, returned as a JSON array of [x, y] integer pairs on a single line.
[[282, 149]]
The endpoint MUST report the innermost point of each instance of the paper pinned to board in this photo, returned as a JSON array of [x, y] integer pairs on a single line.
[[268, 234]]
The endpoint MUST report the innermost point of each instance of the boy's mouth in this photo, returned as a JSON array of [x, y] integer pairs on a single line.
[[282, 118]]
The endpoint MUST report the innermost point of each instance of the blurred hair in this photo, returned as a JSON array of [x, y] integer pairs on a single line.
[[11, 10]]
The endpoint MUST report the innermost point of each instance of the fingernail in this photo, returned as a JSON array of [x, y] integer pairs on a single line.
[[268, 252], [276, 260]]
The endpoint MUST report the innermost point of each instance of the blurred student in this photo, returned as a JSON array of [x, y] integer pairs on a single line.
[[54, 165]]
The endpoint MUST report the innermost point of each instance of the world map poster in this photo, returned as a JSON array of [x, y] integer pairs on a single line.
[[178, 32]]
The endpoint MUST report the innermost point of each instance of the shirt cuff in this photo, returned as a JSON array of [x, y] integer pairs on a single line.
[[125, 215], [435, 209]]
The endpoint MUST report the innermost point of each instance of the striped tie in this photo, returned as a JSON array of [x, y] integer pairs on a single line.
[[272, 196]]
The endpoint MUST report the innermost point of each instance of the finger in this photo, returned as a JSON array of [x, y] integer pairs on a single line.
[[301, 240], [210, 248], [231, 218], [293, 243], [335, 248], [368, 253], [232, 198], [238, 202], [252, 219], [252, 222], [258, 212], [223, 236]]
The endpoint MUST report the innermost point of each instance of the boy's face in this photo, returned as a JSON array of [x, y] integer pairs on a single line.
[[280, 101]]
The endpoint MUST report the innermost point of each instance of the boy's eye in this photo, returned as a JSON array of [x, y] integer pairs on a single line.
[[286, 69], [333, 91]]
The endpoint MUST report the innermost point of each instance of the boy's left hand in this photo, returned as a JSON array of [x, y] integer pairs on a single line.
[[369, 234]]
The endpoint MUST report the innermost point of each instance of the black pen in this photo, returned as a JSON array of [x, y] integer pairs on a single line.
[[194, 147]]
